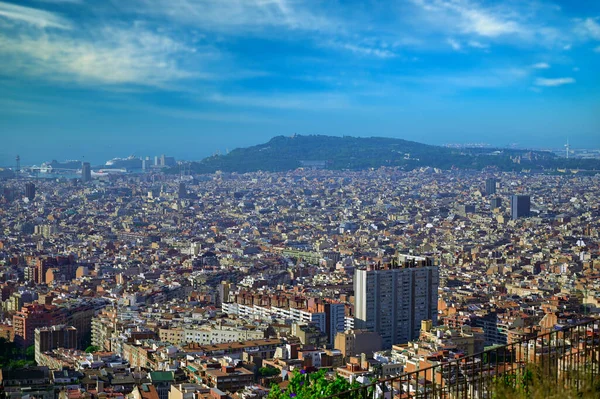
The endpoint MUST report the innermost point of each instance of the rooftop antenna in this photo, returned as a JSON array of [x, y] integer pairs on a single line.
[[18, 168], [567, 147]]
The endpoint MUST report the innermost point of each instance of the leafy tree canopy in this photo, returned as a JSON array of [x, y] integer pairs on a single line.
[[311, 386]]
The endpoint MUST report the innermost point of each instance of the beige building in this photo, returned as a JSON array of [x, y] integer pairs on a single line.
[[174, 336], [229, 378], [48, 338], [355, 342]]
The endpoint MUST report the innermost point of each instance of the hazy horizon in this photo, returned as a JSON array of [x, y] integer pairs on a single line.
[[99, 158]]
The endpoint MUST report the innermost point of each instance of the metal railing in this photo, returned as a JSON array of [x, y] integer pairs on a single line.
[[566, 359]]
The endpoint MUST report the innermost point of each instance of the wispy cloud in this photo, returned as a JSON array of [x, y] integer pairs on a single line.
[[597, 49], [476, 44], [454, 44], [588, 28], [364, 50], [554, 82], [33, 16], [236, 15], [126, 55], [541, 65], [472, 18], [516, 23]]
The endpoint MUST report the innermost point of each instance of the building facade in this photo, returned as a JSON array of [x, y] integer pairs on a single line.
[[30, 191], [490, 186], [34, 316], [86, 172], [48, 338], [520, 206], [393, 301]]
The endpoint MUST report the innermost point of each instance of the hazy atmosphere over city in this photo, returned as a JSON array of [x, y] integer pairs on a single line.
[[98, 79]]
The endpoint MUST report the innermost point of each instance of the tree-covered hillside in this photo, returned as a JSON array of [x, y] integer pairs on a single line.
[[287, 153]]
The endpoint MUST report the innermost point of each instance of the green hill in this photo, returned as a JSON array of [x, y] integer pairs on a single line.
[[283, 153]]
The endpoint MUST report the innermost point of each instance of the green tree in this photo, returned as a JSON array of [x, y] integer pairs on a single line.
[[312, 386], [268, 371], [30, 352], [92, 349]]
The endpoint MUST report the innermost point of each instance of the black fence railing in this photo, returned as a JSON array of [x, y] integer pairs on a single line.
[[564, 359]]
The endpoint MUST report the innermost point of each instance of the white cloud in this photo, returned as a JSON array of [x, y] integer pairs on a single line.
[[597, 49], [476, 44], [553, 82], [541, 65], [589, 28], [471, 18], [33, 16], [365, 50], [517, 23], [454, 44], [236, 15], [483, 24], [567, 47], [113, 56]]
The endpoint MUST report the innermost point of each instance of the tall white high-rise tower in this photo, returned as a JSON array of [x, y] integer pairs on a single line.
[[393, 301]]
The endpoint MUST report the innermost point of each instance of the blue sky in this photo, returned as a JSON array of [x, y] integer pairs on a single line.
[[95, 79]]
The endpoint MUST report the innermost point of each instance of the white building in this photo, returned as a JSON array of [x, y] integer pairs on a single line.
[[330, 322], [394, 301], [220, 335]]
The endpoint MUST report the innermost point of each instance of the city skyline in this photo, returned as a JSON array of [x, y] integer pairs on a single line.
[[95, 81], [105, 159]]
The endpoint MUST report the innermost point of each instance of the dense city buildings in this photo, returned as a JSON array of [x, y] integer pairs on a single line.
[[191, 285]]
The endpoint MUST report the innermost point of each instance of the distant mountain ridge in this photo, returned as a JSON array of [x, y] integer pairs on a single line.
[[284, 153]]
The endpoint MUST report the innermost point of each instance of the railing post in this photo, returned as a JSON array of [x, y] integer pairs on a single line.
[[563, 367], [441, 382], [593, 350], [433, 382], [417, 385], [585, 353], [578, 358], [545, 358], [480, 378], [568, 358], [555, 355]]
